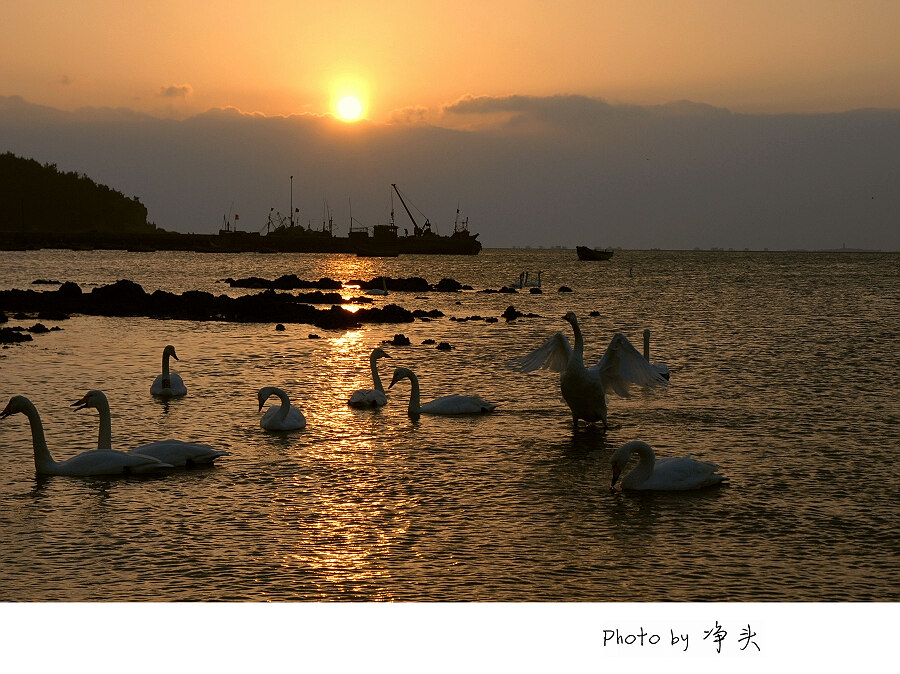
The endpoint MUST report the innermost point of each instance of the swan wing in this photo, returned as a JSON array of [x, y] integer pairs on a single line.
[[553, 355], [156, 387], [367, 398], [681, 474], [178, 452], [622, 365], [271, 420], [458, 404], [295, 418], [108, 462], [176, 386]]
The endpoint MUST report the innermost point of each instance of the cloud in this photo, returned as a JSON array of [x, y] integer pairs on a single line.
[[488, 104], [410, 115], [176, 91], [554, 110], [675, 176], [564, 111]]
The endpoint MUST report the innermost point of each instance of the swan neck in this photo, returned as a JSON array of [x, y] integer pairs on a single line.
[[285, 404], [165, 364], [42, 459], [642, 472], [373, 362], [579, 341], [104, 440], [415, 395], [647, 345]]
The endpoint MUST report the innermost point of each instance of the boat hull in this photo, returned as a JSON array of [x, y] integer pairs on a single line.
[[456, 244], [585, 253]]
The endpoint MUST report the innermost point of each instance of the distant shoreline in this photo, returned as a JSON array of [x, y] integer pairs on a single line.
[[242, 242], [213, 243]]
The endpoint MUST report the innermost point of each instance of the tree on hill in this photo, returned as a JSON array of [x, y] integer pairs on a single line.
[[41, 199]]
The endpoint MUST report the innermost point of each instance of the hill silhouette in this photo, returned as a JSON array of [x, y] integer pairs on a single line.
[[39, 199]]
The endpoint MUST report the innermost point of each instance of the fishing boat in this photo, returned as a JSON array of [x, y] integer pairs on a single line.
[[585, 253], [384, 240]]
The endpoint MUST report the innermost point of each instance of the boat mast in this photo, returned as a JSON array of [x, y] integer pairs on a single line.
[[416, 228], [327, 219]]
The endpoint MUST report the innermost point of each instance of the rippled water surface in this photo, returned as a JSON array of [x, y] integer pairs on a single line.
[[784, 373]]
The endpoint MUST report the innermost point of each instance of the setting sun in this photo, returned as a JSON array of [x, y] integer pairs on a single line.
[[349, 108]]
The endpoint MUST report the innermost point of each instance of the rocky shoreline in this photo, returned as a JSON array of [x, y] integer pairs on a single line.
[[414, 284], [127, 298]]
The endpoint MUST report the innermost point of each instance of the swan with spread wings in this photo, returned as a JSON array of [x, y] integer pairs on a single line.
[[584, 388]]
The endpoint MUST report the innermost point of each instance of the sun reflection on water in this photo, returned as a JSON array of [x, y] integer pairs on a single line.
[[350, 519], [349, 267]]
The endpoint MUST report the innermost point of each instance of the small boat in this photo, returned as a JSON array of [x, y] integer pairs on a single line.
[[585, 253]]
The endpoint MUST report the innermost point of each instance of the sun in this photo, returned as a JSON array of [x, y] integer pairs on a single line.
[[349, 108]]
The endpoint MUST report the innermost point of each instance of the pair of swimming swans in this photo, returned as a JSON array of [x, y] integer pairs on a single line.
[[168, 384], [584, 388], [98, 462], [176, 453], [284, 417], [526, 282], [668, 474], [452, 404]]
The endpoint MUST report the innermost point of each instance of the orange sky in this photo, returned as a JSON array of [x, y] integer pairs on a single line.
[[281, 57]]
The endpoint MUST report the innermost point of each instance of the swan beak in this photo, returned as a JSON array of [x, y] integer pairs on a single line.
[[615, 476], [261, 403], [6, 411], [174, 356], [80, 404]]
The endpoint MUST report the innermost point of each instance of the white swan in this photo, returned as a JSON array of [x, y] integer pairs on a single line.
[[376, 291], [285, 417], [168, 385], [371, 397], [584, 389], [521, 282], [452, 404], [175, 452], [669, 474], [86, 464]]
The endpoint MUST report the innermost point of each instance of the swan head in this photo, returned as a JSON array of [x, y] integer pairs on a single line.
[[399, 374], [378, 352], [616, 472], [15, 405], [620, 457], [170, 350], [91, 399], [264, 394], [571, 318]]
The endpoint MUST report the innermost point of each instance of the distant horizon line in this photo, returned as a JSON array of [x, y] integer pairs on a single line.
[[463, 105]]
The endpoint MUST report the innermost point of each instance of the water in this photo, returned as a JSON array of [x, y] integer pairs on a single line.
[[784, 373]]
